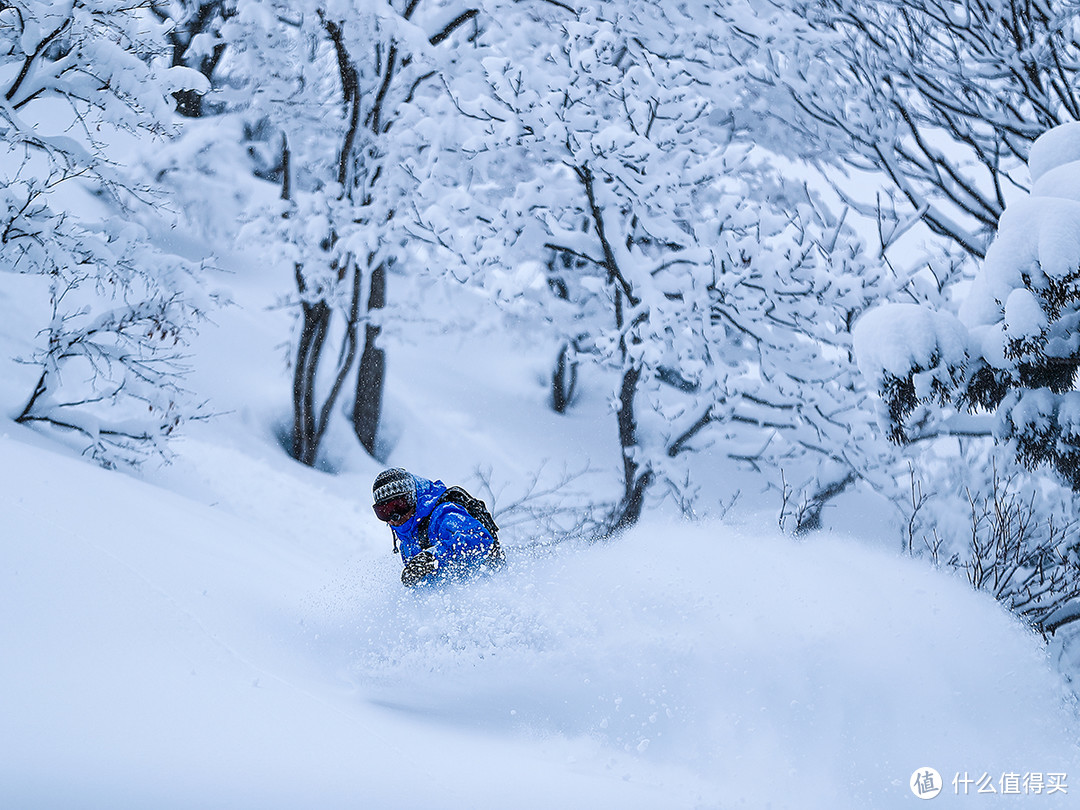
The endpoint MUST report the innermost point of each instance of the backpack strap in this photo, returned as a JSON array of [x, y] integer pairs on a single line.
[[423, 523], [421, 531]]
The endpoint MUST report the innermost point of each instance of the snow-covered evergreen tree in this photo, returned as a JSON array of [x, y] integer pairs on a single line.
[[1012, 348], [1004, 364]]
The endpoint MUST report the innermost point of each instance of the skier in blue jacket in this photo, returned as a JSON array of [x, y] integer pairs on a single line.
[[436, 535]]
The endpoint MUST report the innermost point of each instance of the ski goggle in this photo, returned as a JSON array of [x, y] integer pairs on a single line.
[[394, 510]]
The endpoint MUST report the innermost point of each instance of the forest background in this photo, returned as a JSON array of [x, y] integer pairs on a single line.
[[810, 260]]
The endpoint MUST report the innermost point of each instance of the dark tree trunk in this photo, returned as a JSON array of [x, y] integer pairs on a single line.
[[371, 379], [810, 518], [564, 375], [305, 437], [628, 428], [188, 102], [628, 511], [310, 421], [563, 380], [635, 479]]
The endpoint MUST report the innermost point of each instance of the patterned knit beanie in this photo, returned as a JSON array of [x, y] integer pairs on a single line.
[[393, 482]]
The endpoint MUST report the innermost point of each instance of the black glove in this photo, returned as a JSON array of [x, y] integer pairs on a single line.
[[418, 567]]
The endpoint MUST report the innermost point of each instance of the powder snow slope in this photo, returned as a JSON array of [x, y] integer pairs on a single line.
[[230, 632], [161, 652]]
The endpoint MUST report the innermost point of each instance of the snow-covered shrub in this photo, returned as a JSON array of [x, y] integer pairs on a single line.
[[79, 79], [1006, 530], [1020, 553], [1014, 347], [1004, 366]]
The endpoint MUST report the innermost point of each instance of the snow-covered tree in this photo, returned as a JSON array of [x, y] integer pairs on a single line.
[[719, 293], [335, 78], [1004, 364], [78, 76], [943, 98], [195, 38], [1013, 348]]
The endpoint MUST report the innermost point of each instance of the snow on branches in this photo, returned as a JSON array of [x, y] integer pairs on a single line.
[[1015, 348], [604, 159], [339, 85], [941, 100], [78, 78], [913, 355]]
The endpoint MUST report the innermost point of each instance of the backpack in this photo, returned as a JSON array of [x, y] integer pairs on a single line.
[[474, 506], [478, 510]]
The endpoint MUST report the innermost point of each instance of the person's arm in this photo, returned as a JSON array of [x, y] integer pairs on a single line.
[[455, 530], [451, 531]]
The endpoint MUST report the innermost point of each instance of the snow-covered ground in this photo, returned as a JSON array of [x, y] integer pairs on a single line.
[[229, 631]]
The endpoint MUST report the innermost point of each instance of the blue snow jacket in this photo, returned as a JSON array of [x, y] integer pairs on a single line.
[[457, 539]]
